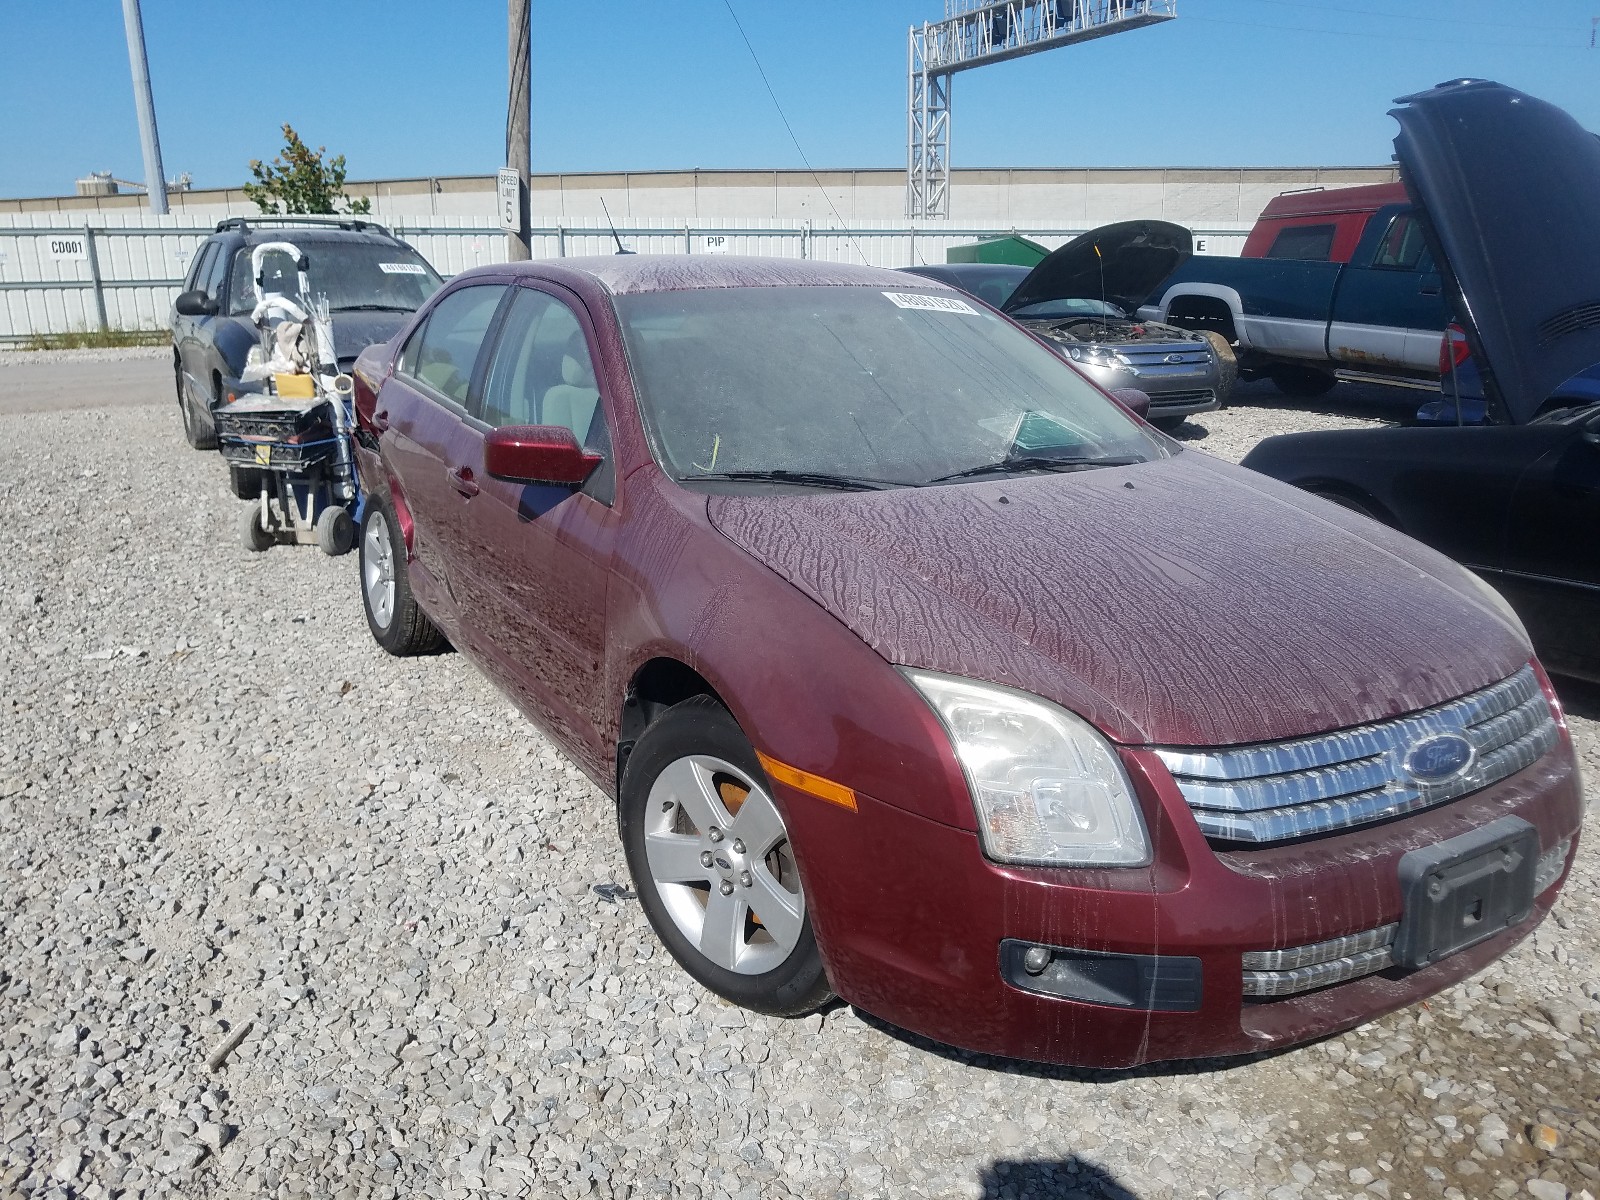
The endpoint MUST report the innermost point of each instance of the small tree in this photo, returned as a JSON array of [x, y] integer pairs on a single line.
[[298, 181]]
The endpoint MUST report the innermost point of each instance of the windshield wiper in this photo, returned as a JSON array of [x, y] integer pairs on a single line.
[[817, 479], [1039, 462], [374, 308]]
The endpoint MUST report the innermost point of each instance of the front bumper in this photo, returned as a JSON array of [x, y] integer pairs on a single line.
[[1174, 392], [912, 920]]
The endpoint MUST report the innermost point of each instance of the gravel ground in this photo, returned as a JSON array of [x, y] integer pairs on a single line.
[[22, 358], [281, 916]]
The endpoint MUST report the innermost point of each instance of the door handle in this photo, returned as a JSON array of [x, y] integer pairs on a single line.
[[380, 420], [461, 479]]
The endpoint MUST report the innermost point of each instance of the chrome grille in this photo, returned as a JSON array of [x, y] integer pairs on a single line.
[[1170, 355], [1301, 968], [1294, 789]]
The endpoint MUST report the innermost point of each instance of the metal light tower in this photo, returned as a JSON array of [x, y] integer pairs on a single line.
[[155, 182], [973, 34]]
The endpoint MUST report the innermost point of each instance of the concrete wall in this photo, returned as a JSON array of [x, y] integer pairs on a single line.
[[1038, 197], [127, 264]]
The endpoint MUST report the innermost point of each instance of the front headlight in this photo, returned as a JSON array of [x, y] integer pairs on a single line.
[[1095, 356], [1047, 788]]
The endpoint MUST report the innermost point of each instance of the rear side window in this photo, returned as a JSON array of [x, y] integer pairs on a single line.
[[1402, 245], [1305, 243], [441, 354]]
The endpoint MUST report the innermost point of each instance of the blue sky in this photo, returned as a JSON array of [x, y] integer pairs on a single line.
[[418, 88]]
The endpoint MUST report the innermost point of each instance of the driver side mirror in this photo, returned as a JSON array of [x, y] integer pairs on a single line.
[[1135, 401], [195, 304], [537, 454]]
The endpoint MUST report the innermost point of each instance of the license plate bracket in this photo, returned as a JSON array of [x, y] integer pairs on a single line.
[[1464, 890]]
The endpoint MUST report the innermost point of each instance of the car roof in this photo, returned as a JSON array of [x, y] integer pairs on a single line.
[[630, 274]]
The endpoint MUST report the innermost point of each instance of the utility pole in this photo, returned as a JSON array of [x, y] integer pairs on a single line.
[[517, 121], [155, 183]]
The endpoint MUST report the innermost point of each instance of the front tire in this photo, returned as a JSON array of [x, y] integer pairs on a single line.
[[199, 434], [396, 622], [713, 866], [1227, 365]]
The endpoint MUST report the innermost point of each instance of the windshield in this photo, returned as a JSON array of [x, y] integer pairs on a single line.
[[352, 275], [898, 387], [1058, 309]]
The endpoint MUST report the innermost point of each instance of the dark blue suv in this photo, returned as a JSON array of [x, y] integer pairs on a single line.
[[372, 280]]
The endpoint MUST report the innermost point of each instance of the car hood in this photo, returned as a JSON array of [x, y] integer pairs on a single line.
[[1121, 263], [353, 332], [1508, 184], [1182, 602]]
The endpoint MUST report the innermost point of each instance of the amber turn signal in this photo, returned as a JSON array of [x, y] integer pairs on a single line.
[[805, 781]]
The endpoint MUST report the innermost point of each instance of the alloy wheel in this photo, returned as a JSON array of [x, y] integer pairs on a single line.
[[377, 570], [719, 855]]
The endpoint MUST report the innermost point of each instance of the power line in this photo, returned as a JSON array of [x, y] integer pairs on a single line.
[[798, 149]]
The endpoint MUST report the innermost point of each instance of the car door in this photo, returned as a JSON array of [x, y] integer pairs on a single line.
[[185, 329], [206, 362], [424, 437], [540, 555], [1552, 563], [1389, 310]]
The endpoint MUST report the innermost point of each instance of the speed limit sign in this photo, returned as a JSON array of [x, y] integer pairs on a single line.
[[508, 187]]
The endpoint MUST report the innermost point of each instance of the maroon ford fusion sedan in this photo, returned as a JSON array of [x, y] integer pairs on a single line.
[[925, 675]]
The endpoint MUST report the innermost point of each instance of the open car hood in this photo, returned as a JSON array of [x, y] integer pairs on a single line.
[[1508, 184], [1121, 263]]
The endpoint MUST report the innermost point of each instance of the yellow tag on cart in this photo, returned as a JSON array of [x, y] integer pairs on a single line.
[[264, 455]]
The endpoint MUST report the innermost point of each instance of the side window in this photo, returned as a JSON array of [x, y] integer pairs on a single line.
[[441, 354], [1305, 243], [241, 287], [211, 280], [542, 373], [1402, 245], [202, 264]]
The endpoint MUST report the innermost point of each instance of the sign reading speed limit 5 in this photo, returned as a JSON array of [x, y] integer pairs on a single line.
[[508, 191]]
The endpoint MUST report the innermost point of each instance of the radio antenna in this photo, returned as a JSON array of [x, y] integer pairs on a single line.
[[615, 236]]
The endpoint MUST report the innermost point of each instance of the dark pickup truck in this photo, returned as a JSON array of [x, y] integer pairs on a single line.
[[1381, 315]]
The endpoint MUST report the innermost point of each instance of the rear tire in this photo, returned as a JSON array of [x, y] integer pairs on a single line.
[[734, 916], [396, 622], [1302, 382]]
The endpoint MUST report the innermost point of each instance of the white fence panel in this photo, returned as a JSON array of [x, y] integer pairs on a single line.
[[123, 270]]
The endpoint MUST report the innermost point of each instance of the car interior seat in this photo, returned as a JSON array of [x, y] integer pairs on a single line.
[[572, 402]]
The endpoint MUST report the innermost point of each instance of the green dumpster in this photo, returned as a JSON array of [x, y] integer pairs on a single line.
[[1018, 251]]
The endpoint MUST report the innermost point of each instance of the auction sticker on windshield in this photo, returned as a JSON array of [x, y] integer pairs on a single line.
[[401, 268], [945, 304]]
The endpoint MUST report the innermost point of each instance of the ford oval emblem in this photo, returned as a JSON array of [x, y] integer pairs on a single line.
[[1439, 758], [1174, 358]]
